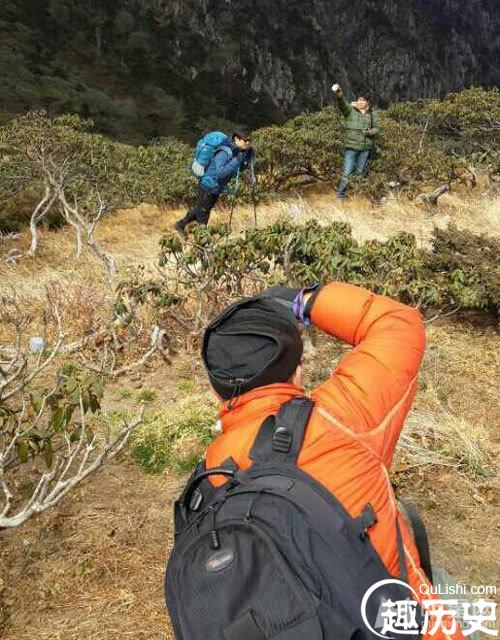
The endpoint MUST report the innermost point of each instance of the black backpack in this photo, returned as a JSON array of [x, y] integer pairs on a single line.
[[272, 553], [374, 149]]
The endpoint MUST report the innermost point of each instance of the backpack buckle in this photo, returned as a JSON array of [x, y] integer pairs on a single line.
[[282, 440], [366, 520]]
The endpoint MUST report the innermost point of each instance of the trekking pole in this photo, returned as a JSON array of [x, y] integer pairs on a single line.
[[254, 182], [254, 206], [236, 187], [231, 212]]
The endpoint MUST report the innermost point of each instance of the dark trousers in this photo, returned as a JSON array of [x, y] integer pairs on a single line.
[[200, 211]]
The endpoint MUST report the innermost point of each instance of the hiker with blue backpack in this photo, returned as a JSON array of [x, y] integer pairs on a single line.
[[218, 159]]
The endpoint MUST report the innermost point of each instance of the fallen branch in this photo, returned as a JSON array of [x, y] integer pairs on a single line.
[[432, 198], [440, 314]]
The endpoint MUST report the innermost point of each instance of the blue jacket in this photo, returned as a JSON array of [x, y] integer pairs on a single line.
[[223, 167]]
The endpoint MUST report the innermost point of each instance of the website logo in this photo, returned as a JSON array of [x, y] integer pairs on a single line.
[[415, 615]]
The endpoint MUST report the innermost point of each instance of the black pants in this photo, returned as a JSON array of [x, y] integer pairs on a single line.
[[200, 211]]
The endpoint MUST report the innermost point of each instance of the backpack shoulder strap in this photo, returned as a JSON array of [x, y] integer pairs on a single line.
[[226, 149], [280, 437]]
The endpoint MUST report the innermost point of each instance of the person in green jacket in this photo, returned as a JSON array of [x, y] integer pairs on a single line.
[[361, 128]]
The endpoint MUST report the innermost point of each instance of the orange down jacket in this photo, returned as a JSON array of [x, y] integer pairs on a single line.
[[357, 417]]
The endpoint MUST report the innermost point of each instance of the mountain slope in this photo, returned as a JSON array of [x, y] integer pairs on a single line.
[[146, 68]]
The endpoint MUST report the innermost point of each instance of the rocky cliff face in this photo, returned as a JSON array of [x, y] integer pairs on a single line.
[[251, 61], [287, 52]]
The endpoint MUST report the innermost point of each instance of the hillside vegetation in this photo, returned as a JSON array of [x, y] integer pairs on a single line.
[[144, 70], [425, 144]]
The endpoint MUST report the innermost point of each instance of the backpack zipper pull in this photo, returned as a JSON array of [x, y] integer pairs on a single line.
[[214, 535]]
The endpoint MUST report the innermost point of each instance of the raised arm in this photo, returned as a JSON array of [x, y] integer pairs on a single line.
[[342, 103], [372, 388]]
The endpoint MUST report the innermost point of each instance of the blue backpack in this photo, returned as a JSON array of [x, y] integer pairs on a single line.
[[206, 148]]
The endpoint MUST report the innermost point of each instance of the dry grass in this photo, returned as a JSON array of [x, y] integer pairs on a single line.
[[480, 214], [477, 211], [460, 372], [93, 568], [132, 235]]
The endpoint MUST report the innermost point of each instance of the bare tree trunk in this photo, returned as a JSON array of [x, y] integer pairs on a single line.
[[81, 223], [40, 212], [107, 258], [79, 242], [77, 228], [73, 218]]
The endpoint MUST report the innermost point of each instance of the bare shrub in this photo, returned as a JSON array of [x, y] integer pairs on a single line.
[[53, 431]]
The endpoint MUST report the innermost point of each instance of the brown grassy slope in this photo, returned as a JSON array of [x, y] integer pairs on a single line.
[[93, 567], [132, 235]]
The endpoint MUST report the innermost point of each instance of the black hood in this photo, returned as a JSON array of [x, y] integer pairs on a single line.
[[251, 344]]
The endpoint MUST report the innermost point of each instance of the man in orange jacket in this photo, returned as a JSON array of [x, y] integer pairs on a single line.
[[358, 412]]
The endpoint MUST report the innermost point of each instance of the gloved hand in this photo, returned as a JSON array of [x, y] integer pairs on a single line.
[[300, 301], [292, 300], [247, 156]]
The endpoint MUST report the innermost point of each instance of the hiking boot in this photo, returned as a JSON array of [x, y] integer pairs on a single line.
[[179, 228]]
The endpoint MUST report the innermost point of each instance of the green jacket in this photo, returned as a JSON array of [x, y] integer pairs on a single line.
[[355, 124]]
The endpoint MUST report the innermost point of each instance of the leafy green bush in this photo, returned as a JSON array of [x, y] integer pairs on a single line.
[[311, 146], [37, 150], [461, 269], [157, 174], [423, 142], [176, 438], [472, 267], [466, 123], [89, 166]]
